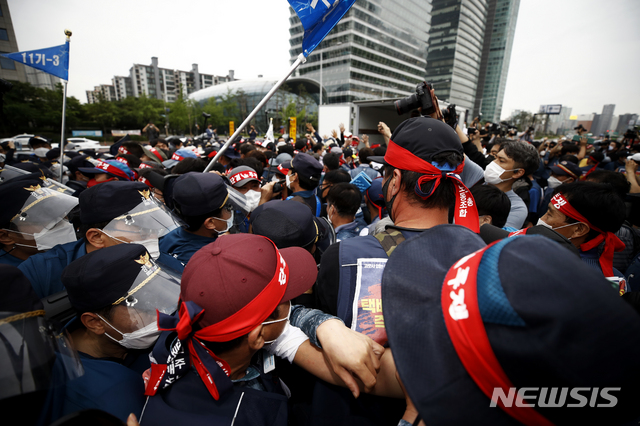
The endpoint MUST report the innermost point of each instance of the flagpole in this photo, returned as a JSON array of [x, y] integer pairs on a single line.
[[300, 60], [64, 110]]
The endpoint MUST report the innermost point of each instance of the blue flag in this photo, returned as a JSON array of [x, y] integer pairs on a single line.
[[318, 17], [52, 60]]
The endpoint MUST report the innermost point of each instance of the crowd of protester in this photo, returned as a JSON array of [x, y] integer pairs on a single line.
[[139, 288]]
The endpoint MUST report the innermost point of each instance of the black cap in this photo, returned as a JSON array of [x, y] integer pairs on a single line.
[[544, 331], [98, 279], [33, 168], [567, 168], [108, 200], [195, 193], [16, 293], [35, 140], [53, 154], [14, 193], [424, 137], [286, 223], [306, 165], [113, 149], [78, 161]]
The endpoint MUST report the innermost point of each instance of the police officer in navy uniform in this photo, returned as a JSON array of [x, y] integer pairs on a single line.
[[202, 201], [104, 223], [303, 179], [115, 291], [420, 184], [32, 218]]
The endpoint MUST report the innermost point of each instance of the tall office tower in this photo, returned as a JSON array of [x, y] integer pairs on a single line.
[[377, 50], [9, 70], [455, 46], [496, 54], [603, 123]]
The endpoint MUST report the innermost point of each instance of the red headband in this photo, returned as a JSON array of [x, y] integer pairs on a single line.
[[459, 299], [123, 150], [145, 181], [156, 153], [177, 157], [283, 170], [466, 213], [592, 169], [250, 174], [611, 242], [123, 161], [237, 325], [112, 170]]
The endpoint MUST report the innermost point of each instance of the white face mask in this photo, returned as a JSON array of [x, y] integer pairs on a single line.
[[229, 223], [41, 152], [493, 172], [61, 233], [253, 199], [268, 342], [546, 225], [143, 338], [553, 182], [151, 245], [288, 181]]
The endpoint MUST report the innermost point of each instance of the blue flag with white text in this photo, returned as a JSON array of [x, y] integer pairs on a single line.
[[52, 60], [318, 17]]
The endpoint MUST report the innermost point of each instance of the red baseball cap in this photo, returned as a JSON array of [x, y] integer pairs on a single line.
[[235, 270]]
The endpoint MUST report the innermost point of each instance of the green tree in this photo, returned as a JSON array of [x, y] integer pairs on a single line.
[[521, 119], [104, 113], [179, 115]]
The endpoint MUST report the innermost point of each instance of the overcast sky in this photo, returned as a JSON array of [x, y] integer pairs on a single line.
[[579, 53]]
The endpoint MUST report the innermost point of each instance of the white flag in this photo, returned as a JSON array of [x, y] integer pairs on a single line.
[[269, 136]]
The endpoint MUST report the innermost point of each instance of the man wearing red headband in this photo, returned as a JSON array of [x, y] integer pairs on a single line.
[[421, 183], [211, 368], [589, 214]]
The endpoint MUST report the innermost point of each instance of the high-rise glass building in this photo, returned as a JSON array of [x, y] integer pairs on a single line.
[[455, 46], [377, 50], [496, 54]]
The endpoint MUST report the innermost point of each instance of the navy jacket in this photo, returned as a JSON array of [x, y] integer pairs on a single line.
[[44, 269], [182, 244]]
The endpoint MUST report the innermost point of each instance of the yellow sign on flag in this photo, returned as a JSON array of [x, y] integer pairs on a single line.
[[232, 128], [292, 128], [573, 117]]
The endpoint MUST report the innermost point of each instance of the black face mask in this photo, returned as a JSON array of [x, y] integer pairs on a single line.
[[388, 204], [366, 215]]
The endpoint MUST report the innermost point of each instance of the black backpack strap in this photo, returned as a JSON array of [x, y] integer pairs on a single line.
[[389, 240]]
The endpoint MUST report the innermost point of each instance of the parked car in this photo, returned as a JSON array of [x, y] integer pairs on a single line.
[[76, 144], [20, 141]]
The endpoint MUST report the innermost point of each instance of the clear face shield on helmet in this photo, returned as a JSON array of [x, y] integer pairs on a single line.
[[144, 224], [42, 222], [9, 172], [35, 355], [134, 315]]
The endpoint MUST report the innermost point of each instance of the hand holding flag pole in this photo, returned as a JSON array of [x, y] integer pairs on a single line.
[[318, 17]]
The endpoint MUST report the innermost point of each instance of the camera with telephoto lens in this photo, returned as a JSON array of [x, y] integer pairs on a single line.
[[450, 116], [421, 99]]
